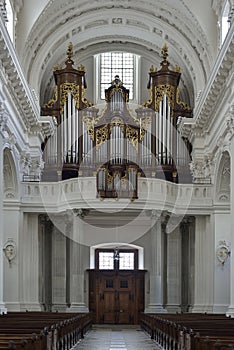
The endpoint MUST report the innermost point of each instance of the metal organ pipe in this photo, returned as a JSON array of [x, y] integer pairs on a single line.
[[51, 149], [69, 128], [69, 131], [164, 132], [73, 116], [146, 146]]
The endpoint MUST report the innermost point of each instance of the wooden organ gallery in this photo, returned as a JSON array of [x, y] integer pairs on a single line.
[[117, 145]]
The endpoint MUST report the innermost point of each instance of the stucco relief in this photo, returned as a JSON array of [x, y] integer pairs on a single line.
[[223, 179], [202, 169], [9, 178]]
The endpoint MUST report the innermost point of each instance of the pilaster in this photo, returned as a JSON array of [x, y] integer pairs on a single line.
[[156, 269], [230, 311], [59, 300], [29, 262], [173, 270], [77, 265], [3, 309], [204, 265]]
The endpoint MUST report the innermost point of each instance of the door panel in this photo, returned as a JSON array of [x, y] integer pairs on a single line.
[[124, 308], [116, 296], [109, 309]]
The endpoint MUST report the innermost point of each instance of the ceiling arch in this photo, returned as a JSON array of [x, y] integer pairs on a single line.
[[140, 26]]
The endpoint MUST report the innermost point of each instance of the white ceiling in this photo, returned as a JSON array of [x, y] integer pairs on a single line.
[[44, 29]]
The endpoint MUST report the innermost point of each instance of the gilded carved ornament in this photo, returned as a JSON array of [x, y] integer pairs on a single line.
[[51, 102], [102, 135], [89, 122], [160, 91], [116, 121], [118, 89], [181, 103], [132, 136], [64, 90]]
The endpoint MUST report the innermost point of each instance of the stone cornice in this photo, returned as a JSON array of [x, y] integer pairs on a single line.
[[215, 89], [16, 82]]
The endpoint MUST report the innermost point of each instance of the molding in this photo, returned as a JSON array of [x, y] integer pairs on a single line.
[[17, 84], [217, 83]]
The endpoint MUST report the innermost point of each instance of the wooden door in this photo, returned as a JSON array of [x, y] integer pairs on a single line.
[[116, 297]]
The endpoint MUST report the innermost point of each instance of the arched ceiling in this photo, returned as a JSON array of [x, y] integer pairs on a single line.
[[141, 26]]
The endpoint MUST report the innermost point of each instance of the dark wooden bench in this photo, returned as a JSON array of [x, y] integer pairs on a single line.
[[190, 331], [42, 330]]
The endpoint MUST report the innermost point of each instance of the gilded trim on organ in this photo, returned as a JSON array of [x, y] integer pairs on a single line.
[[181, 103], [116, 121], [50, 103], [64, 89], [160, 90], [132, 136], [89, 122], [149, 101], [102, 135], [84, 100]]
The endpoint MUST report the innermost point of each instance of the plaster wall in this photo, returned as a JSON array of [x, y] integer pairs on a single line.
[[221, 271]]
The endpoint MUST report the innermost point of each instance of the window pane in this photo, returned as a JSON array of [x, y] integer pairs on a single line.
[[126, 261], [117, 63], [106, 260]]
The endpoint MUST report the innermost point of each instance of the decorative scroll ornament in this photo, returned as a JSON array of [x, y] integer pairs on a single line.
[[64, 90], [182, 104], [132, 136], [102, 135], [223, 252], [90, 122], [230, 123], [50, 104], [3, 117]]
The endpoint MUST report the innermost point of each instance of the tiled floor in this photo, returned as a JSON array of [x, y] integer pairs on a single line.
[[116, 338]]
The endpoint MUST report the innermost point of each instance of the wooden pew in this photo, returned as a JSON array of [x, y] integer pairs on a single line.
[[190, 331], [42, 330]]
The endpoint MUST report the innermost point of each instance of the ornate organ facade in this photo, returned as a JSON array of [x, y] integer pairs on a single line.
[[116, 144]]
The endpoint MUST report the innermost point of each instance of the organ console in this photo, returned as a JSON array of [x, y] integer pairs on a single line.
[[117, 145]]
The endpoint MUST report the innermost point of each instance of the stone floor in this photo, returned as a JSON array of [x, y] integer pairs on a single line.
[[116, 338]]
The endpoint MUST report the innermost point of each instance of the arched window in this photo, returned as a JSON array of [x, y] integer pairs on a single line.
[[224, 21], [123, 64], [115, 259], [10, 19]]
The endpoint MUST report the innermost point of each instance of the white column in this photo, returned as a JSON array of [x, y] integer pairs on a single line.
[[174, 270], [58, 270], [204, 265], [156, 269], [29, 262], [2, 305], [79, 259]]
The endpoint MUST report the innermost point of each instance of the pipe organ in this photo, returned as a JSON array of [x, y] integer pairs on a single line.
[[116, 145]]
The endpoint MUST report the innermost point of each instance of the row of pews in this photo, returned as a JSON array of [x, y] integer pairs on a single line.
[[192, 331], [42, 330]]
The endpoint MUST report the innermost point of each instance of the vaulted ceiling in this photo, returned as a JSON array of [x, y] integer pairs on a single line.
[[188, 27]]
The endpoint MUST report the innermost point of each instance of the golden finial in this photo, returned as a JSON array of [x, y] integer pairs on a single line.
[[57, 67], [81, 68], [153, 69], [164, 52], [177, 68], [70, 50]]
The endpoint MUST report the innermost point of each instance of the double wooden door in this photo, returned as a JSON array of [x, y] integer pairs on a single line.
[[116, 297]]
